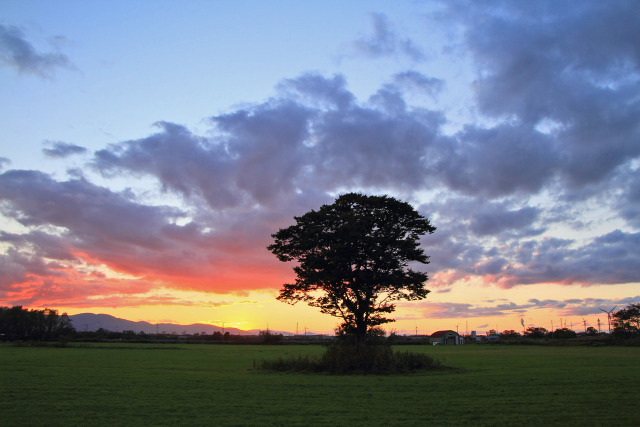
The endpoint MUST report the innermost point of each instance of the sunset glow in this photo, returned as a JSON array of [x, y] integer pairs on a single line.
[[145, 165]]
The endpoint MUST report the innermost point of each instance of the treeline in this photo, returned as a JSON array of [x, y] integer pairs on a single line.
[[625, 328], [103, 335], [18, 324], [625, 323]]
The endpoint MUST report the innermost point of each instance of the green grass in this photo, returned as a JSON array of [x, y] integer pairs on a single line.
[[217, 385]]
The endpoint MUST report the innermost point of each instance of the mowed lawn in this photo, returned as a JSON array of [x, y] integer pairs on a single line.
[[136, 384]]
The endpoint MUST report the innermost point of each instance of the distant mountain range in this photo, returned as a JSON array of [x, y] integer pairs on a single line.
[[93, 322]]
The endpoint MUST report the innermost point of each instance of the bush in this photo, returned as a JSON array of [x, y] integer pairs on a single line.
[[348, 359], [291, 363]]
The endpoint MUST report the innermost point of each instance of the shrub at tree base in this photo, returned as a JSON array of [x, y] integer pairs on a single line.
[[348, 359]]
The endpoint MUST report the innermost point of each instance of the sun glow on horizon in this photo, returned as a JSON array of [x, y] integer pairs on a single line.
[[497, 309]]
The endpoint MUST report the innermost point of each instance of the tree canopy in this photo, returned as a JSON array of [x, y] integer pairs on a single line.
[[535, 332], [626, 322], [17, 323], [353, 259]]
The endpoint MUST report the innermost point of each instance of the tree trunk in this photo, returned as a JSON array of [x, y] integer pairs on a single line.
[[361, 331]]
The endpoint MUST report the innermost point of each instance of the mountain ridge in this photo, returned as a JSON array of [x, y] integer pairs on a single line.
[[93, 322]]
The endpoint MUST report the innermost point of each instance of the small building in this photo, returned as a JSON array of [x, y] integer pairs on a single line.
[[446, 338]]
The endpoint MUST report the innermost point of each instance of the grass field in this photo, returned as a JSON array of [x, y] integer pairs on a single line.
[[141, 384]]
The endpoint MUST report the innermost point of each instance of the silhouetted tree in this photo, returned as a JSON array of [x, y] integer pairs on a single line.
[[626, 322], [353, 259], [592, 331], [509, 334], [17, 323], [267, 337], [564, 333], [535, 332], [128, 334]]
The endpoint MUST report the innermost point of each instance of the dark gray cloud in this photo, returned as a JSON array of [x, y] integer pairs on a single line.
[[268, 152], [62, 149], [503, 160], [256, 156], [562, 64], [386, 42], [17, 52], [468, 230], [40, 243], [496, 219], [609, 259], [500, 243], [628, 199], [35, 199]]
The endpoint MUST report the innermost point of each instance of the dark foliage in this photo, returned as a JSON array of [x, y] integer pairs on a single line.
[[626, 322], [509, 335], [563, 334], [343, 359], [269, 338], [353, 259], [535, 332], [21, 324]]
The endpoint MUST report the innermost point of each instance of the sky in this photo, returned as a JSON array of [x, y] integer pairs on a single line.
[[149, 150]]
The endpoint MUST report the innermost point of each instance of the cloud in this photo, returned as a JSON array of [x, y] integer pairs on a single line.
[[553, 130], [568, 307], [263, 163], [62, 149], [267, 152], [35, 199], [557, 63], [318, 91], [18, 53], [469, 228], [461, 310], [503, 160], [495, 220], [628, 199], [79, 228], [385, 42], [608, 259], [413, 81], [501, 244]]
